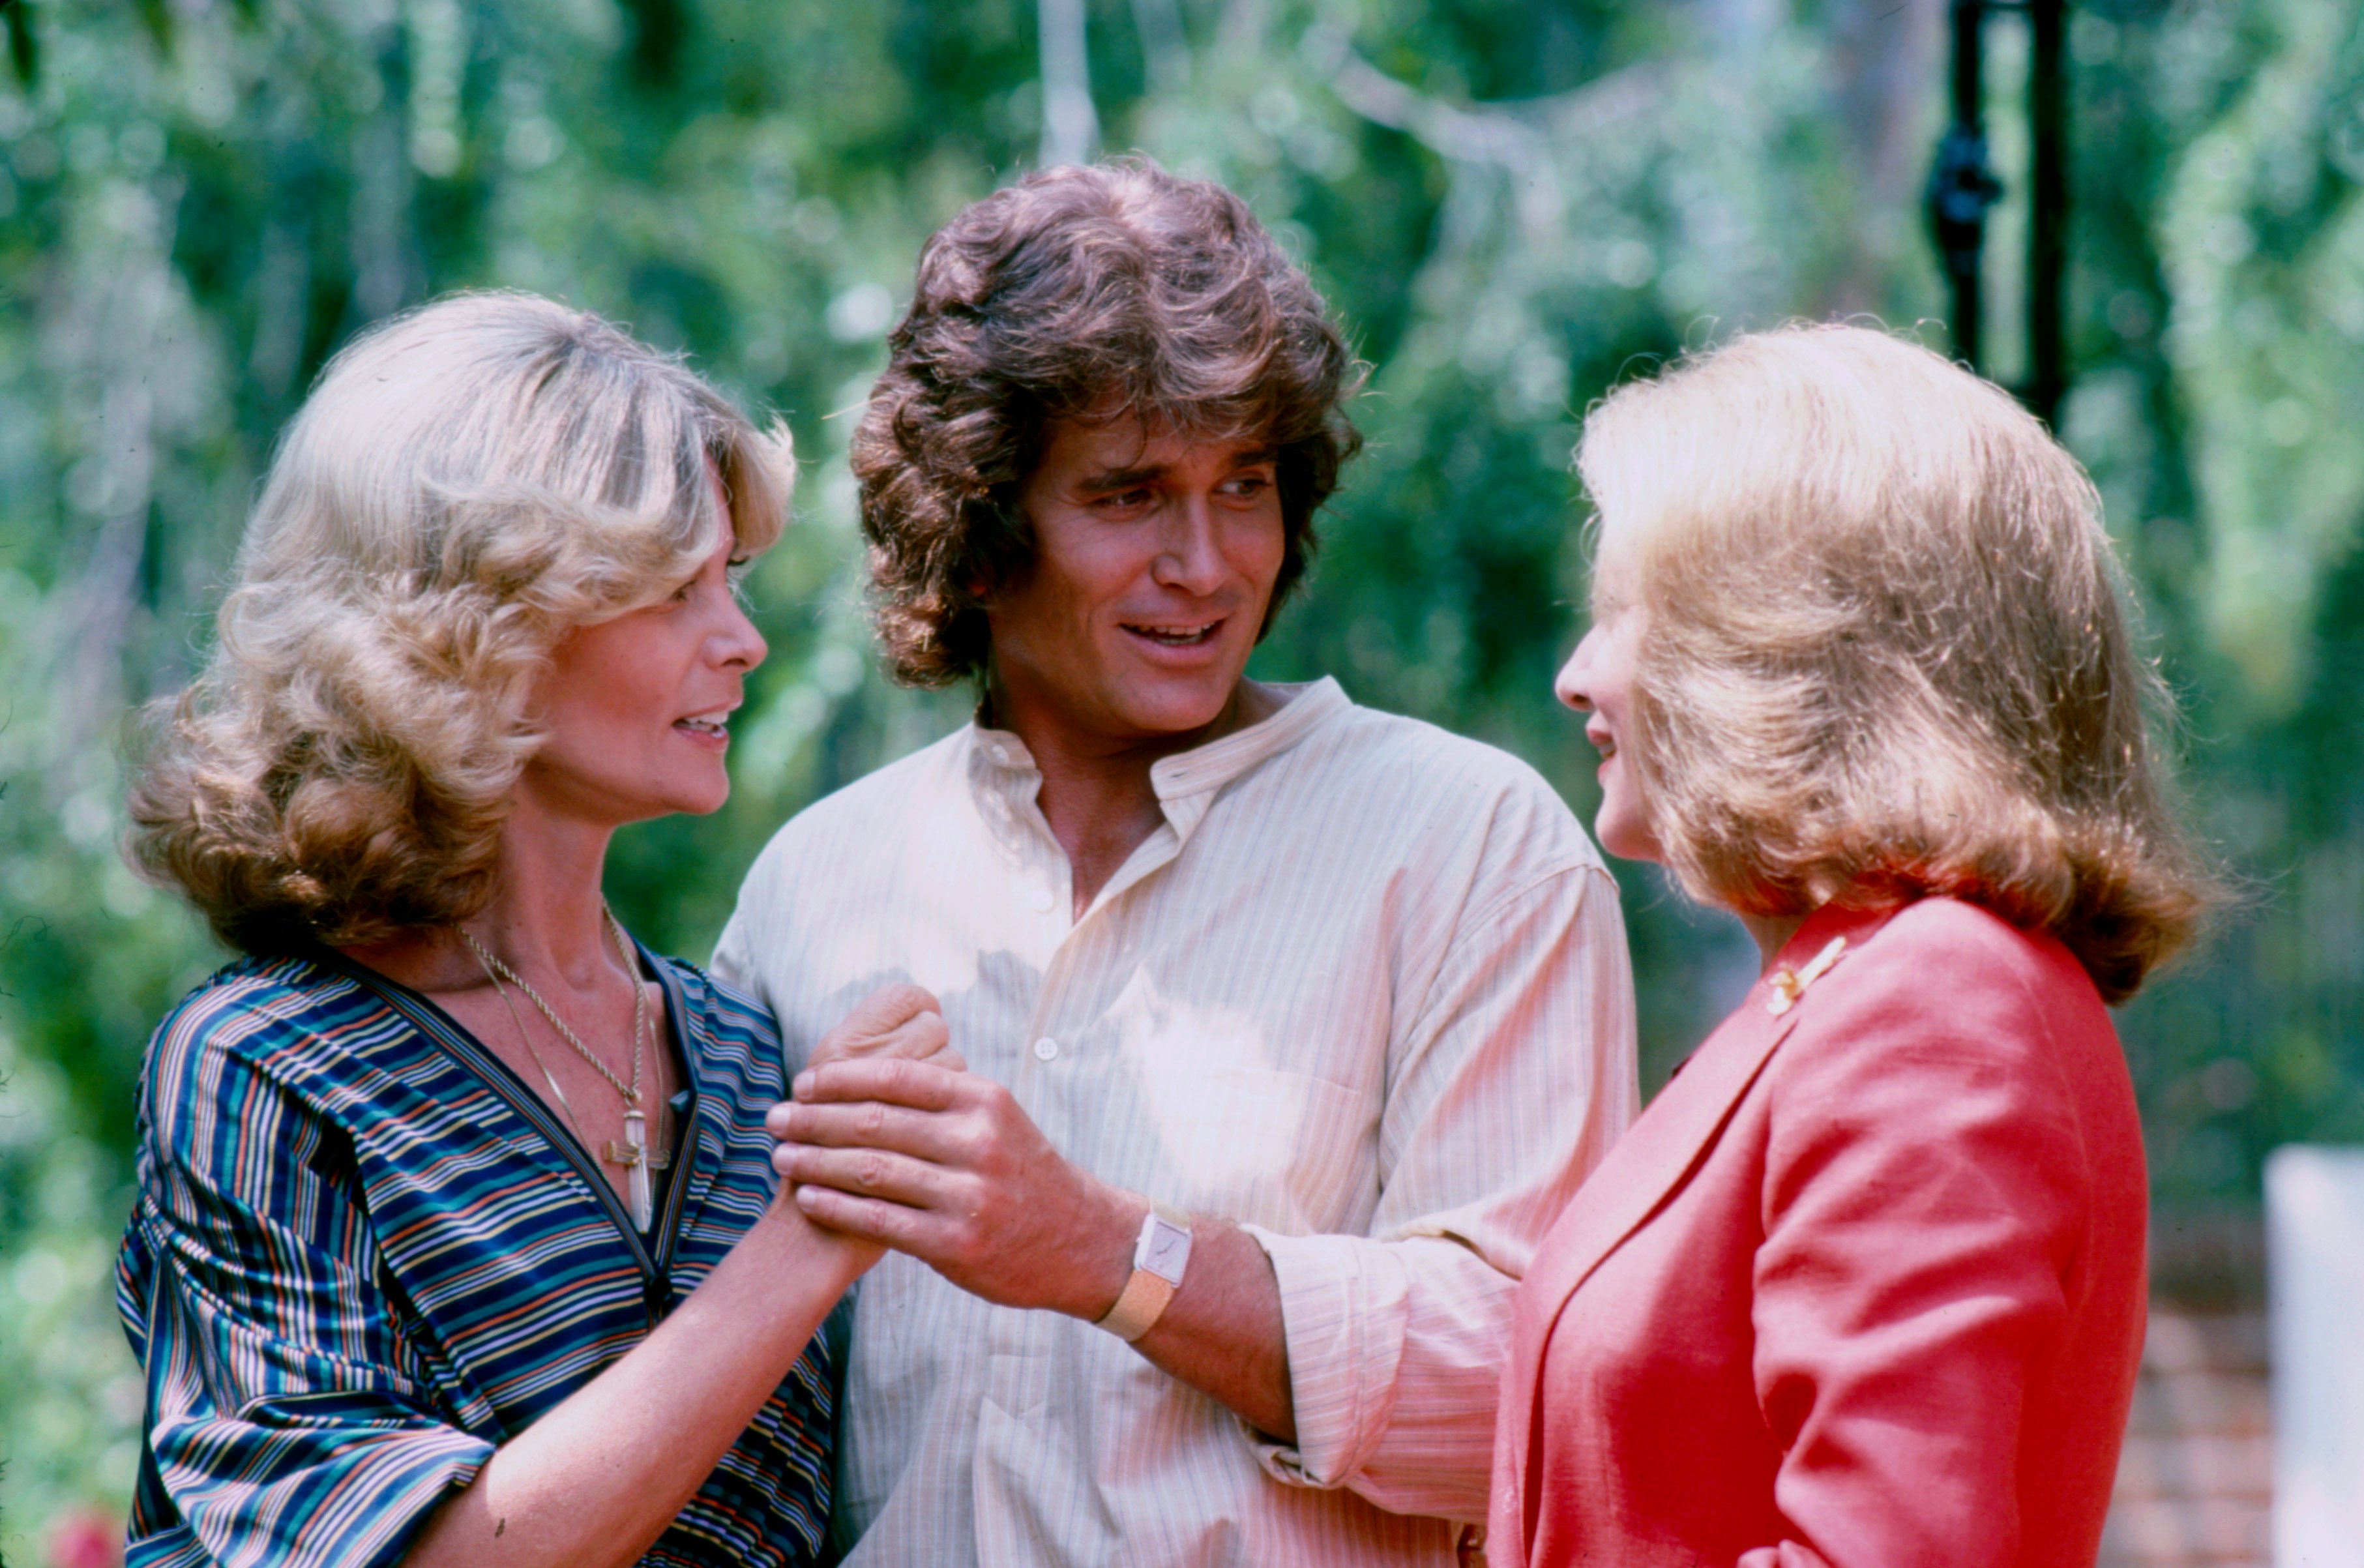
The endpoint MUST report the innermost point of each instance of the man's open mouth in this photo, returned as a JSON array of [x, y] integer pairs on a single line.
[[1177, 635]]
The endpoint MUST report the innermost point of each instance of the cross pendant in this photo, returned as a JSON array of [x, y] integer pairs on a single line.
[[638, 1160]]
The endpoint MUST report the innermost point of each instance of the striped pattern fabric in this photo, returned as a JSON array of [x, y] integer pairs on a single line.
[[364, 1254], [1365, 992]]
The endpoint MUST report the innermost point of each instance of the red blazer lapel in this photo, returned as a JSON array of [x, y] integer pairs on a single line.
[[1665, 1144], [1651, 1162], [1658, 1152]]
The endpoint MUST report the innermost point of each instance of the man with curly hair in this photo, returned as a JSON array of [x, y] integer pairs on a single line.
[[1290, 1023]]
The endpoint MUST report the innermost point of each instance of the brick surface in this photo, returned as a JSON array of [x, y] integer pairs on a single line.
[[2186, 1530], [2180, 1405], [2206, 1464], [2195, 1481]]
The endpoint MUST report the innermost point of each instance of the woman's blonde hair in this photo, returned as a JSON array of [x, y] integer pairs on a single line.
[[1886, 652], [465, 485]]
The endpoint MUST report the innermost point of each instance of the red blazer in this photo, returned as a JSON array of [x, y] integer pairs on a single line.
[[1863, 1287]]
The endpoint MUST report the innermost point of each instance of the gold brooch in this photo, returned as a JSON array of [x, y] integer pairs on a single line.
[[1789, 984]]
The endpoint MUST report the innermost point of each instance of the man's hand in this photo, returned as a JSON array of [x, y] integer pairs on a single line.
[[943, 1165], [899, 1020]]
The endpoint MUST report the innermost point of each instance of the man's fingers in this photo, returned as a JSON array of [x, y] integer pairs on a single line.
[[870, 1219], [921, 1086], [934, 1236], [933, 1136], [863, 1172]]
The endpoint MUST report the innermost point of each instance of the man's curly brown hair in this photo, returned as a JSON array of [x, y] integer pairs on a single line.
[[1080, 293]]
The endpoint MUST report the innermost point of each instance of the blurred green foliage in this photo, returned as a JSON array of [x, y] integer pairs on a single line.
[[1512, 202]]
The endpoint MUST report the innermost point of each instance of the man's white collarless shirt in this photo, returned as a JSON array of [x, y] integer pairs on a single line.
[[1365, 992]]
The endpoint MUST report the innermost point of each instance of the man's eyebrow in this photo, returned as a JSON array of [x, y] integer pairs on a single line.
[[1124, 478], [1150, 472]]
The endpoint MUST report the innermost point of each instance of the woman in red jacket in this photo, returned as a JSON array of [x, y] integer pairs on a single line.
[[1864, 1287]]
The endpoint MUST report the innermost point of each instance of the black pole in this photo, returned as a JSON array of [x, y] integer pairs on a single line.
[[2047, 229], [1968, 197], [24, 48], [1961, 187]]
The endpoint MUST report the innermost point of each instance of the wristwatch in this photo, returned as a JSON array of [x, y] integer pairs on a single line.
[[1158, 1259]]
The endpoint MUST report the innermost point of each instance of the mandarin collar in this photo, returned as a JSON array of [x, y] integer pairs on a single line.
[[1305, 706]]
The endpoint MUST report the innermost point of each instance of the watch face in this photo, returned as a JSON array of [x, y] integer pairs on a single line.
[[1165, 1251]]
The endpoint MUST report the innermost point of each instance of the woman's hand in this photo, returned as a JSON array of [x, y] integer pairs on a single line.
[[594, 1483], [896, 1021], [899, 1019]]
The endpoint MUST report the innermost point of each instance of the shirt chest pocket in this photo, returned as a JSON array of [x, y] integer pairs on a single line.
[[1268, 1147]]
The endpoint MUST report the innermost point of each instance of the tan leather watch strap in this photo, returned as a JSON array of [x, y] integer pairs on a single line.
[[1136, 1311], [1157, 1262]]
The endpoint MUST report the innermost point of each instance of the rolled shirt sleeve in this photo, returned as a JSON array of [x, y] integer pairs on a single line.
[[1509, 1086], [288, 1421]]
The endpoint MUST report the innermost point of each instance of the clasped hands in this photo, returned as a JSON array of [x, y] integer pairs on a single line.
[[890, 1140]]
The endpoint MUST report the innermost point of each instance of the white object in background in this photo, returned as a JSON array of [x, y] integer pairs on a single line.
[[2315, 1298]]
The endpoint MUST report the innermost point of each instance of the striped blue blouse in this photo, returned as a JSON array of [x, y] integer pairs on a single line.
[[364, 1254]]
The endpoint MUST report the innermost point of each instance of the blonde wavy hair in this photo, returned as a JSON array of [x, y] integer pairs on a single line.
[[1887, 650], [465, 485]]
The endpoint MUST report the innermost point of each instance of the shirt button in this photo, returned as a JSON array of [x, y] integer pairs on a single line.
[[1040, 900], [1046, 1049]]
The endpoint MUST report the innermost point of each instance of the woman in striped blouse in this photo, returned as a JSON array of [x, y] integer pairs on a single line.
[[455, 1240]]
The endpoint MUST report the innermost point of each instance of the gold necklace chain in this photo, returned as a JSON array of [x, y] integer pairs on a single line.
[[495, 971], [534, 1050]]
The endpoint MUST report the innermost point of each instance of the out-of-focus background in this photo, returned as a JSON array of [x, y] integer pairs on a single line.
[[1511, 203]]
